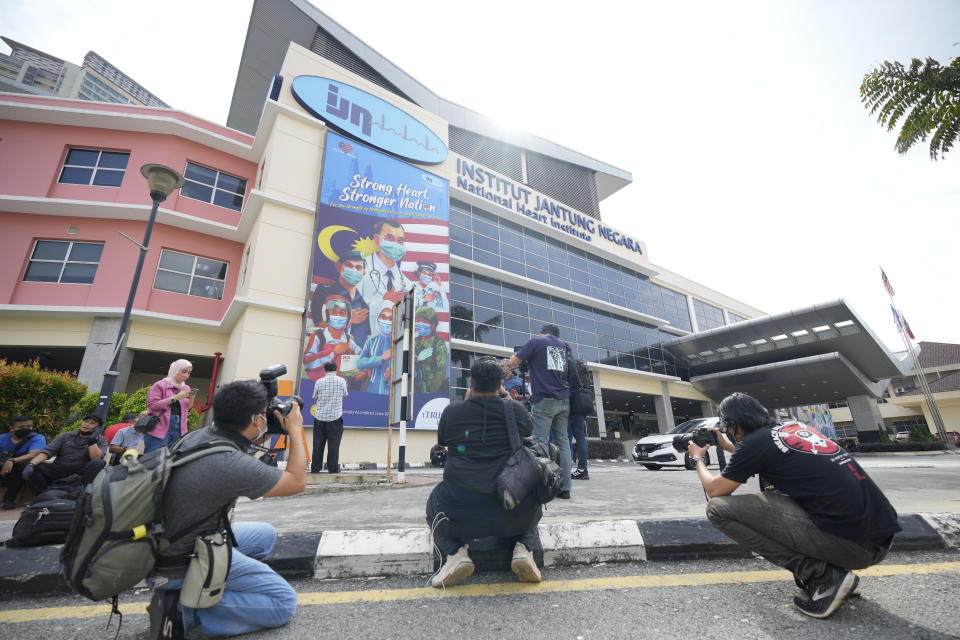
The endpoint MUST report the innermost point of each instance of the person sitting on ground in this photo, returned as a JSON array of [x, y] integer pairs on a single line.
[[130, 437], [465, 505], [197, 495], [17, 449], [80, 452], [127, 420], [823, 516]]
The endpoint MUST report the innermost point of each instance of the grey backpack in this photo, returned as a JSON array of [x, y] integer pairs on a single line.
[[118, 527]]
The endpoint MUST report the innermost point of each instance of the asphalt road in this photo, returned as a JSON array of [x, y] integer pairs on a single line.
[[916, 599], [914, 484]]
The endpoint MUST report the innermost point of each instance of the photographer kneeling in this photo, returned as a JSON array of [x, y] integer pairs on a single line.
[[825, 516], [196, 498], [465, 506]]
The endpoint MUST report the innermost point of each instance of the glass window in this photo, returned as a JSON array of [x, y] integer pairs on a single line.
[[64, 262], [92, 167], [215, 187], [512, 266], [192, 275], [487, 299], [489, 335]]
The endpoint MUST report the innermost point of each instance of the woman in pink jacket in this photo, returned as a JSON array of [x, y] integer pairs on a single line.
[[169, 398]]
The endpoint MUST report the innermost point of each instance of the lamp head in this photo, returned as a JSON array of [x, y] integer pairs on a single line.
[[162, 180]]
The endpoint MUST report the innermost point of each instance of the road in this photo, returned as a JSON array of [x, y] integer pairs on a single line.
[[911, 595]]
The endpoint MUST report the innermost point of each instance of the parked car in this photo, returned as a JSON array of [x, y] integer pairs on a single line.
[[902, 436], [954, 437], [656, 451]]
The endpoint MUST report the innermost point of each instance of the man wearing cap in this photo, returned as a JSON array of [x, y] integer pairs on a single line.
[[430, 352], [383, 279], [350, 271], [427, 290]]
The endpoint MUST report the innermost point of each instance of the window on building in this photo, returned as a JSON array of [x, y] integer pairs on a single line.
[[708, 316], [216, 187], [94, 167], [64, 262], [183, 273]]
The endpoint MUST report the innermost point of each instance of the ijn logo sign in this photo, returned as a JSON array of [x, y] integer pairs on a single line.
[[368, 118]]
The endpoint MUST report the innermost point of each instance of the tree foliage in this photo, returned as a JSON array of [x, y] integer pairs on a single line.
[[47, 396], [925, 97]]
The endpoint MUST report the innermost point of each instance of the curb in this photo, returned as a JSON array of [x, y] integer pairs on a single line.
[[393, 552]]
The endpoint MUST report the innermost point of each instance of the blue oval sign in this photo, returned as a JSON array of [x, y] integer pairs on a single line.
[[369, 119]]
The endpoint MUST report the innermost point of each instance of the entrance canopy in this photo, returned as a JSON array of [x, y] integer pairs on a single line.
[[811, 355]]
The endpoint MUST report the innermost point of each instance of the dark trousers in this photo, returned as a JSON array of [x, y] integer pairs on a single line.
[[776, 527], [326, 434], [577, 432], [13, 482], [457, 516], [45, 474]]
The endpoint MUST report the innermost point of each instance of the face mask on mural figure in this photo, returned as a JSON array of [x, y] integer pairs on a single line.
[[352, 276], [385, 326], [425, 279], [393, 250], [338, 322], [423, 329]]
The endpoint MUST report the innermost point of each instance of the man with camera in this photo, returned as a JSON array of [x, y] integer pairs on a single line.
[[547, 357], [823, 516], [198, 495]]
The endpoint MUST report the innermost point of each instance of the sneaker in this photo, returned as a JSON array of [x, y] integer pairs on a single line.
[[580, 474], [564, 494], [8, 505], [455, 570], [823, 595], [524, 565], [166, 620]]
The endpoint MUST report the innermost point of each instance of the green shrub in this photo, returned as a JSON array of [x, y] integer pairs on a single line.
[[921, 434], [877, 447], [604, 449], [47, 396], [88, 404]]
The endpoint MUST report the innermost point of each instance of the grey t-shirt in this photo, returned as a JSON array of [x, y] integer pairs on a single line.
[[71, 448], [198, 491]]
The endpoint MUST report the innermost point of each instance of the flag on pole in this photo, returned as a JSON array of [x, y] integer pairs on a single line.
[[896, 318], [901, 323], [886, 282], [906, 327]]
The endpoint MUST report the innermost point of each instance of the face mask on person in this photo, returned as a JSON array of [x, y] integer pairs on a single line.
[[423, 329], [22, 433], [426, 279], [393, 250], [351, 276], [338, 322], [385, 326]]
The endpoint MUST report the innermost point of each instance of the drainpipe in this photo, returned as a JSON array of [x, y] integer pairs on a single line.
[[217, 357]]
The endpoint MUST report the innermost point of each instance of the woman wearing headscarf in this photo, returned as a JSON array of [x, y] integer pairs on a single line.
[[170, 399]]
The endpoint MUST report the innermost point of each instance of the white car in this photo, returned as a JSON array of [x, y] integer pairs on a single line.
[[656, 451]]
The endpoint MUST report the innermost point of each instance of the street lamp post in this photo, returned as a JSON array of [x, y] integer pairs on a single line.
[[162, 181]]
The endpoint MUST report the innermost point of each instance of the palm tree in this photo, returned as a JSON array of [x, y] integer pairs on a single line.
[[925, 96]]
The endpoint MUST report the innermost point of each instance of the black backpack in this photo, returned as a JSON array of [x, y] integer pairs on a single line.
[[47, 519], [581, 386]]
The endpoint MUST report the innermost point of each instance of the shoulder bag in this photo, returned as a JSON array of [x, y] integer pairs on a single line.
[[525, 471]]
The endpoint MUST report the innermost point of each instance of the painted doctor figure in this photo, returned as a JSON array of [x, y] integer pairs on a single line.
[[383, 279], [375, 356], [427, 290]]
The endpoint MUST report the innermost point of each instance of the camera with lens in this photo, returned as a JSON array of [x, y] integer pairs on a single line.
[[700, 436], [268, 378]]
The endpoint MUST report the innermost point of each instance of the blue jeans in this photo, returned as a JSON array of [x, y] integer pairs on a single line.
[[577, 431], [254, 597], [152, 443], [550, 419]]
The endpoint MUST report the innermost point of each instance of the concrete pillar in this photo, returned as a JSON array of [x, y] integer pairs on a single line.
[[664, 409], [99, 353], [598, 404], [708, 409], [866, 417]]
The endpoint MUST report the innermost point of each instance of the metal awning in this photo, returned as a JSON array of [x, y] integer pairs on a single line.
[[812, 380]]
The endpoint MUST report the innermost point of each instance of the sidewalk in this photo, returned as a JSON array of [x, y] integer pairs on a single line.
[[623, 513]]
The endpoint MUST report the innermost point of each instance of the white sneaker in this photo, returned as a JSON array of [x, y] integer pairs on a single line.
[[455, 570], [524, 565]]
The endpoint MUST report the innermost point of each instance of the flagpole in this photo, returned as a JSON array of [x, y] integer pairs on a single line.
[[917, 367]]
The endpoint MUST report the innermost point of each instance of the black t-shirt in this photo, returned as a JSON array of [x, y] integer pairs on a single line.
[[821, 476], [475, 434]]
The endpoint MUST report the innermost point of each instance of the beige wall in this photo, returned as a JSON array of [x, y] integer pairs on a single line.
[[61, 331], [179, 339], [370, 445]]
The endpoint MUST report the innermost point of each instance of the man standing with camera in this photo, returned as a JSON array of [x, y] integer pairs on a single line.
[[547, 357], [196, 498], [823, 517]]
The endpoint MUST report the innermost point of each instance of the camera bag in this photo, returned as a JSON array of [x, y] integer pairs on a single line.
[[118, 528], [207, 572], [525, 471], [47, 519]]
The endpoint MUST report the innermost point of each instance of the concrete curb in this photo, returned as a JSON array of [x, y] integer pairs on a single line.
[[390, 552]]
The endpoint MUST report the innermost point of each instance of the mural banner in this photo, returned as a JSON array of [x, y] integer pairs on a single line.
[[381, 230]]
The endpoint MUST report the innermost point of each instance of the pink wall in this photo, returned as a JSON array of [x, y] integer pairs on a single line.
[[32, 154], [112, 281]]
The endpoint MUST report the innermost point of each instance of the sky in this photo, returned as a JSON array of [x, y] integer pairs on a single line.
[[756, 169]]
